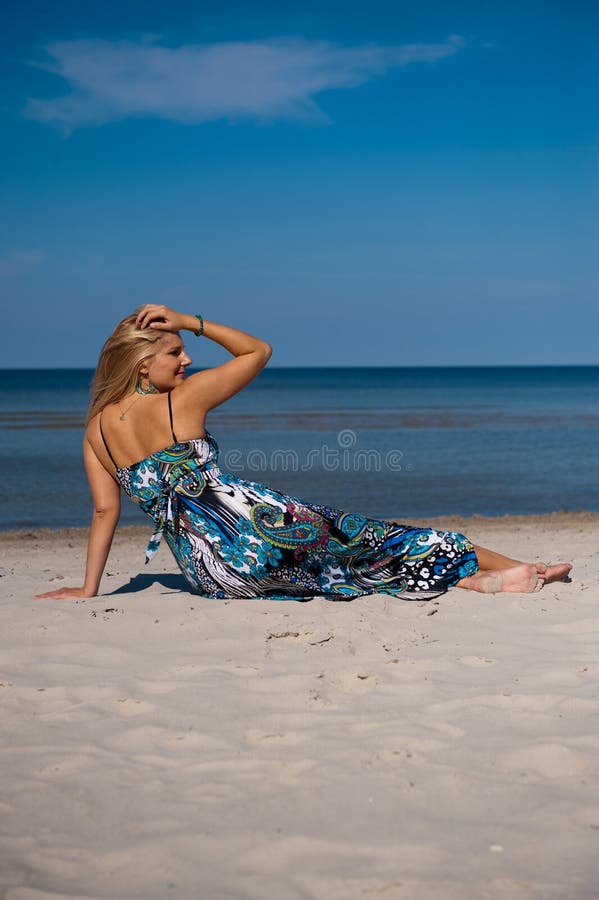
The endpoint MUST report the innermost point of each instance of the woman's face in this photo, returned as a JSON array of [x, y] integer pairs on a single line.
[[166, 369]]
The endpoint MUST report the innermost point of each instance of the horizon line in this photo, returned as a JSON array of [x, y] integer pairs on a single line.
[[585, 365]]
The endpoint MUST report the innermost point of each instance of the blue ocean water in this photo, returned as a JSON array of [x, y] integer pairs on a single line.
[[388, 442]]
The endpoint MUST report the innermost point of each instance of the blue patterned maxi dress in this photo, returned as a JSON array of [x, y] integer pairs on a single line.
[[236, 538]]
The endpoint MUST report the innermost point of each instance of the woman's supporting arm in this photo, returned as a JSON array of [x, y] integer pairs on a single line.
[[107, 508]]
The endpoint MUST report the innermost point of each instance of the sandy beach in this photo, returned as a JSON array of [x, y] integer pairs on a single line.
[[156, 744]]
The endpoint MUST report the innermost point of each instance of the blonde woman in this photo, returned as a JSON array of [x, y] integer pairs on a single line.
[[146, 435]]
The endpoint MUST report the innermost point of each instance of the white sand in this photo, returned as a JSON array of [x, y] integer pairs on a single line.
[[160, 745]]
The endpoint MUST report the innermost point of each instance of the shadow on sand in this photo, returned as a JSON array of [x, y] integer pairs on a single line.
[[172, 584], [176, 584]]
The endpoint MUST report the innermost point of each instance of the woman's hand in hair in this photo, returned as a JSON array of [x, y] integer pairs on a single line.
[[163, 318]]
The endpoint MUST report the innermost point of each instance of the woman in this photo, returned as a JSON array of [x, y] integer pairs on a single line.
[[232, 538]]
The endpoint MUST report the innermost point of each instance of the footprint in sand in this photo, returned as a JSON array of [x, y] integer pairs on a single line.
[[127, 707], [352, 681], [287, 738], [476, 662], [547, 761], [186, 739]]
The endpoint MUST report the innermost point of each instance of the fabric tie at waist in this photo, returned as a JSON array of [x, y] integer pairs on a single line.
[[165, 513], [188, 481]]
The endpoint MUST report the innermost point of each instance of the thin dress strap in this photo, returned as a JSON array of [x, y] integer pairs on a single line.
[[105, 444], [170, 416]]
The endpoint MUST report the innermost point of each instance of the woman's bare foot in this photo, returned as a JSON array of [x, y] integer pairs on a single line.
[[523, 579], [557, 572]]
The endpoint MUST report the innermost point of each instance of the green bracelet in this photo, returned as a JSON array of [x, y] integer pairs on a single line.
[[200, 330]]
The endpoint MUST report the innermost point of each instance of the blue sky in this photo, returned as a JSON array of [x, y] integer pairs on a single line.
[[358, 183]]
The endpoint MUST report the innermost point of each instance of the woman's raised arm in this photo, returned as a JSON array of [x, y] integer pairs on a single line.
[[213, 386]]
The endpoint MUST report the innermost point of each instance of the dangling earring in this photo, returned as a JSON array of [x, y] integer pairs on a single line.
[[145, 389]]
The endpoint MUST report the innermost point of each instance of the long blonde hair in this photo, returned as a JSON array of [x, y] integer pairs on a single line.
[[127, 348]]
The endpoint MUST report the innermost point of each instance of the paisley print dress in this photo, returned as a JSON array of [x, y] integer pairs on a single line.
[[236, 538]]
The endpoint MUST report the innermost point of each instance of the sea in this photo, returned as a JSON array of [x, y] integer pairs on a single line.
[[397, 443]]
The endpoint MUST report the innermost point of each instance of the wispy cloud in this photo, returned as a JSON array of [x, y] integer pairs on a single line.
[[17, 262], [199, 83]]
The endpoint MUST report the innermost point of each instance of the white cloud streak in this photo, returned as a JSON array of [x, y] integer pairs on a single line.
[[199, 83]]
